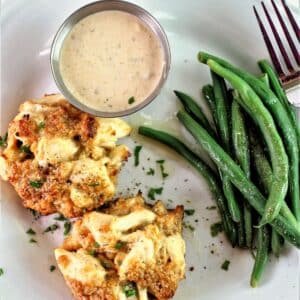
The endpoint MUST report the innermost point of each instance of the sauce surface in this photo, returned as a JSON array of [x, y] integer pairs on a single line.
[[111, 61]]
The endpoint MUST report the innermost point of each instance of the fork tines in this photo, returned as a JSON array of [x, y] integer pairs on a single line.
[[293, 74]]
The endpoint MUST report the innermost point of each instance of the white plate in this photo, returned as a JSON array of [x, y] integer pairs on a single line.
[[227, 28]]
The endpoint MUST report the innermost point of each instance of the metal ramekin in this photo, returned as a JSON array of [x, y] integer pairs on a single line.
[[92, 8]]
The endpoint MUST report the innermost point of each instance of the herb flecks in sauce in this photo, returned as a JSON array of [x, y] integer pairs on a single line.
[[131, 100], [132, 57]]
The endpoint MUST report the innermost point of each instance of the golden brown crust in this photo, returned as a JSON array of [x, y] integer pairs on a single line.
[[54, 158], [157, 267]]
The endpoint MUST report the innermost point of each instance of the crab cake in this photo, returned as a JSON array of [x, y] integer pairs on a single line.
[[127, 249], [60, 159]]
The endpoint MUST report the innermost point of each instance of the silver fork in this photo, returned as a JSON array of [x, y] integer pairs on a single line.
[[291, 78]]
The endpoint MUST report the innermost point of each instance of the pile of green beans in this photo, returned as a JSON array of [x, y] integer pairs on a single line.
[[253, 140]]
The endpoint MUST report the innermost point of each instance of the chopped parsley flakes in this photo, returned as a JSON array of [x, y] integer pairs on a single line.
[[150, 172], [131, 100], [137, 151], [36, 183], [129, 290], [211, 207], [41, 125], [189, 212], [52, 268], [119, 245], [30, 231], [216, 228], [1, 271], [51, 228], [60, 217], [225, 265], [67, 227], [34, 213], [3, 140], [32, 241], [25, 149], [92, 252], [162, 168], [153, 191]]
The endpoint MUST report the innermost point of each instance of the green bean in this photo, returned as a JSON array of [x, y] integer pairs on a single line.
[[265, 79], [211, 179], [209, 97], [250, 192], [221, 101], [266, 67], [195, 111], [263, 241], [265, 174], [222, 109], [276, 243], [253, 105], [241, 149], [283, 120]]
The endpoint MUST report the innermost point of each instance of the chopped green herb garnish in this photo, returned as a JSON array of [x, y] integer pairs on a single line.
[[216, 228], [1, 271], [150, 172], [225, 265], [188, 226], [41, 125], [92, 252], [189, 212], [36, 183], [137, 151], [131, 100], [60, 217], [30, 231], [35, 214], [153, 191], [51, 228], [107, 264], [67, 227], [211, 207], [129, 290], [52, 268], [32, 241], [162, 168], [160, 161], [96, 245], [3, 140], [119, 245], [25, 149], [94, 184]]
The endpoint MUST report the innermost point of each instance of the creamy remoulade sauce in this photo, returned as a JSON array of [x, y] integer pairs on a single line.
[[111, 61]]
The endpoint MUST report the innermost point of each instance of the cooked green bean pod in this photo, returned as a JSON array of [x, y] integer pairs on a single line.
[[261, 258], [191, 107], [283, 120], [250, 192], [241, 151], [222, 110], [209, 97], [275, 84], [255, 108]]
